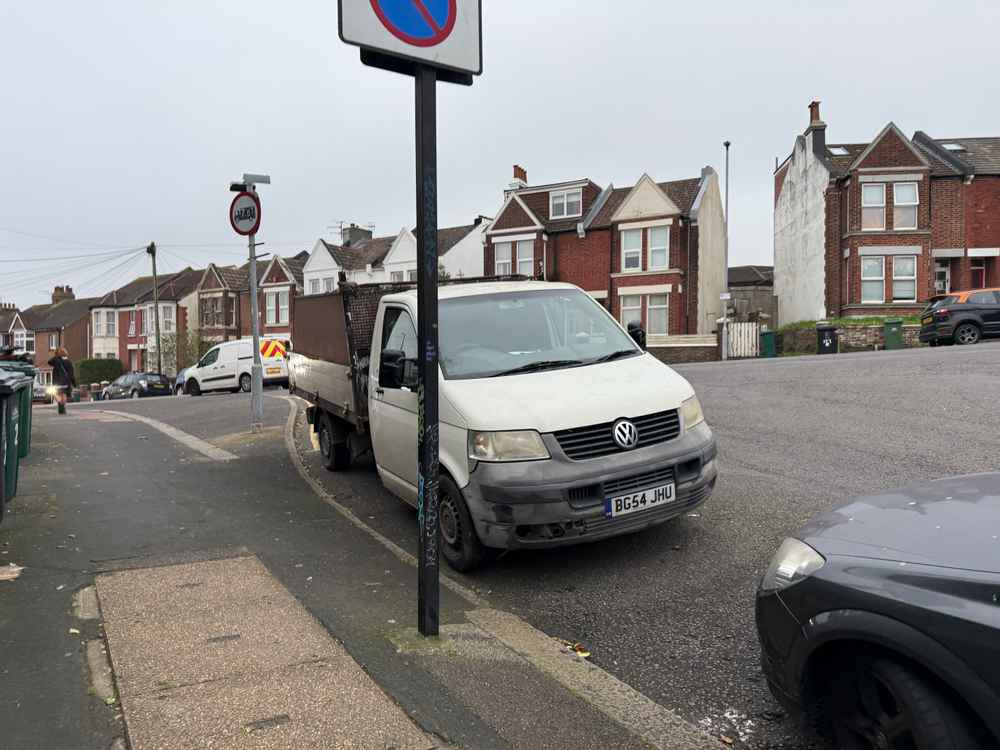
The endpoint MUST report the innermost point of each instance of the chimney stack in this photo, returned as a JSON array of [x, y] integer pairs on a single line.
[[520, 181], [61, 293], [816, 131], [353, 234]]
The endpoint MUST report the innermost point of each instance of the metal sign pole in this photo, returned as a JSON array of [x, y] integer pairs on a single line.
[[427, 342], [256, 369]]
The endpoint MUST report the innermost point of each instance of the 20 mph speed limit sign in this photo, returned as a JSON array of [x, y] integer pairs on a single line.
[[244, 213]]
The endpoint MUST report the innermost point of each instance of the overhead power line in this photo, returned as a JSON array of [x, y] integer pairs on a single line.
[[118, 252]]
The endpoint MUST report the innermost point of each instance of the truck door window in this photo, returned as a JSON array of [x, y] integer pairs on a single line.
[[209, 359], [398, 334]]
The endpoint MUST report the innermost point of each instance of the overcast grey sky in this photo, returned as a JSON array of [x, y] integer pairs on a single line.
[[123, 121]]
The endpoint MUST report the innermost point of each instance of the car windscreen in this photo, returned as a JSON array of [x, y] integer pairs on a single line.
[[942, 301], [486, 335]]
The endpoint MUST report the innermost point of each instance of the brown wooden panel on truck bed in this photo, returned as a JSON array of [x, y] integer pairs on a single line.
[[319, 329]]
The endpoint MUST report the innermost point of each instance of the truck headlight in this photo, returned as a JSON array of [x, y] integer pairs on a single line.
[[518, 445], [793, 562], [691, 413]]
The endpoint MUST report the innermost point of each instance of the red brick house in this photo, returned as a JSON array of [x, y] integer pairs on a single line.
[[879, 227], [652, 252], [219, 301], [279, 283], [64, 323]]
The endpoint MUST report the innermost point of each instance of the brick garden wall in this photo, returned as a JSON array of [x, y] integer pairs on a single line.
[[850, 339]]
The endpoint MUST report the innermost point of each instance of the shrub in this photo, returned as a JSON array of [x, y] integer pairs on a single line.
[[97, 370]]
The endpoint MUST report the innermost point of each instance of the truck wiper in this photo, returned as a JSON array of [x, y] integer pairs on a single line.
[[615, 355], [545, 364]]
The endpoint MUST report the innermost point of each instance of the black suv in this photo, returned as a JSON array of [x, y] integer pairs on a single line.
[[961, 317]]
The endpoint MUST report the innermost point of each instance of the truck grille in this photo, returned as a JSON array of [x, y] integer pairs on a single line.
[[597, 440]]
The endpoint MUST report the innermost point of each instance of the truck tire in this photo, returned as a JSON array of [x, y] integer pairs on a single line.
[[336, 456], [460, 545]]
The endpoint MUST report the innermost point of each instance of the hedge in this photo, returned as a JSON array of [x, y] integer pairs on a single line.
[[97, 370], [848, 322]]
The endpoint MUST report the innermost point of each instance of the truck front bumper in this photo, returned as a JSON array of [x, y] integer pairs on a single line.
[[559, 501]]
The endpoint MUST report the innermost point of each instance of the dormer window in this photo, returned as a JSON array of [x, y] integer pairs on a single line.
[[566, 204], [953, 146], [838, 151]]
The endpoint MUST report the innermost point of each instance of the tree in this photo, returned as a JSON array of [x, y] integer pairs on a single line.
[[443, 274]]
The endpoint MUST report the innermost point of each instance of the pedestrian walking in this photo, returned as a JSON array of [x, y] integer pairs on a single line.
[[63, 377]]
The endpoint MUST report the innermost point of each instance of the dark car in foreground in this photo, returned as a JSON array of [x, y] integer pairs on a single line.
[[880, 621], [138, 385], [961, 317]]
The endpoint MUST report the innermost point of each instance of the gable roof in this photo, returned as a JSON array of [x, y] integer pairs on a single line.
[[451, 236], [295, 265], [359, 255], [34, 314], [890, 128], [64, 313], [7, 318], [681, 192], [519, 206], [176, 286]]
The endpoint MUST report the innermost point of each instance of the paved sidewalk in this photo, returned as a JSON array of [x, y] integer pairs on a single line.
[[218, 654]]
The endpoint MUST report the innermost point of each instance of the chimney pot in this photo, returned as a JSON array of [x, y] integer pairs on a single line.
[[814, 112]]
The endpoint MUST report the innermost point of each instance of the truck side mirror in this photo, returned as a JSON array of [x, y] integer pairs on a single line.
[[391, 368], [637, 333]]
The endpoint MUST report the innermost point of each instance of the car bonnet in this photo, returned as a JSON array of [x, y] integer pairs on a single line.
[[949, 522]]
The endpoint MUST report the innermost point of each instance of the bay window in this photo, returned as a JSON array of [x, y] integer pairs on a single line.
[[631, 250], [167, 318], [526, 257], [98, 328], [873, 206], [873, 279], [904, 205], [656, 314], [502, 258], [111, 323], [904, 278], [131, 322]]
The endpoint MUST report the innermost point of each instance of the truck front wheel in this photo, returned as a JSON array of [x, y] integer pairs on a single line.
[[460, 544], [336, 456]]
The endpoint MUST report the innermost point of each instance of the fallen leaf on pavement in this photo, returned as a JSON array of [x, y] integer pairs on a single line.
[[74, 631], [727, 740], [105, 473], [577, 648], [10, 572]]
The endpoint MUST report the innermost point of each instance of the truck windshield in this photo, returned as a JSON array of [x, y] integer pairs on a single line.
[[483, 336]]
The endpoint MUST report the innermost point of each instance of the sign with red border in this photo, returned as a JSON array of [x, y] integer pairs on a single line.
[[244, 213], [445, 34]]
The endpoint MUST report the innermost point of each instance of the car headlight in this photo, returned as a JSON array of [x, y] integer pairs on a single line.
[[518, 445], [691, 413], [52, 390], [793, 562]]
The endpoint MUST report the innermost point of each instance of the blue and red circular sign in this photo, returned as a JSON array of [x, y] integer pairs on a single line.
[[421, 23]]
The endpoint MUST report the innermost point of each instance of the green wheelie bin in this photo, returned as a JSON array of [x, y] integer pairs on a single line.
[[11, 386], [892, 330], [24, 447]]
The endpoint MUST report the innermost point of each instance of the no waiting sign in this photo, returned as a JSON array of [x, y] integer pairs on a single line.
[[442, 33], [244, 213]]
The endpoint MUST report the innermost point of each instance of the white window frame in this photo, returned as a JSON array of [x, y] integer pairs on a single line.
[[53, 341], [314, 286], [396, 277], [666, 314], [96, 323], [637, 252], [21, 340], [880, 279], [915, 205], [623, 307], [111, 323], [666, 249], [864, 188], [501, 267], [167, 318], [329, 284], [530, 259], [271, 308], [283, 307], [411, 274], [131, 322], [561, 198], [896, 277]]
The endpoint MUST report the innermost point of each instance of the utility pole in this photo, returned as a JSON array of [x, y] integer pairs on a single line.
[[151, 250], [257, 369]]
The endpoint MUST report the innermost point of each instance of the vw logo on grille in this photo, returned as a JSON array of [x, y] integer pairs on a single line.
[[625, 434]]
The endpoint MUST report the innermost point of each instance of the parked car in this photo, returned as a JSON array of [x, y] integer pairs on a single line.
[[880, 620], [556, 427], [137, 385], [961, 317], [227, 366], [180, 380]]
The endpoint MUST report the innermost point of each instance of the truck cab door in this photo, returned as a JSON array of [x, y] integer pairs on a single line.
[[393, 403]]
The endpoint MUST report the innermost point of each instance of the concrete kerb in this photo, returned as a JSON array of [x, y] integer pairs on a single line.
[[656, 725]]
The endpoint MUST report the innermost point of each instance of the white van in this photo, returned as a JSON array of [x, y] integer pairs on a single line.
[[226, 366]]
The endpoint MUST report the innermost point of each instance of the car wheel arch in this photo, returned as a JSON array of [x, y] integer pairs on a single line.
[[830, 635]]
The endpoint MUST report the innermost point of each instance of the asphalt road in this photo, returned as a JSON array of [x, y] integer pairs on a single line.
[[670, 611]]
